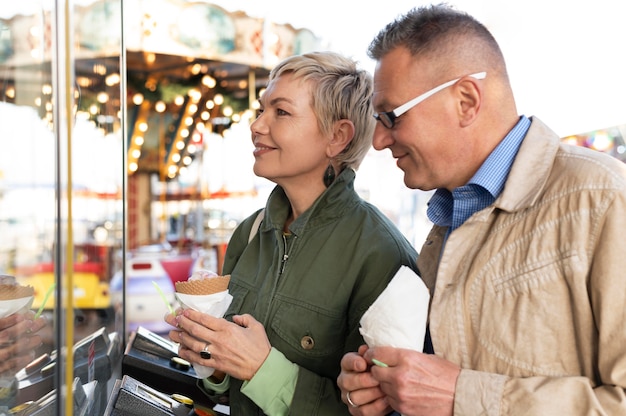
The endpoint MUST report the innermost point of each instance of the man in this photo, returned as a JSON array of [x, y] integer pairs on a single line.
[[525, 262]]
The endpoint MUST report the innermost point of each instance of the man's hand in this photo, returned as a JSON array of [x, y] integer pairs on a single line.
[[365, 396], [415, 383]]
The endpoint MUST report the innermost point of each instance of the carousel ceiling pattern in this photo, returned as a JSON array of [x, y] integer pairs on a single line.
[[191, 68]]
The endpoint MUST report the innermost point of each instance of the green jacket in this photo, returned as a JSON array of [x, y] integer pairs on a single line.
[[310, 290]]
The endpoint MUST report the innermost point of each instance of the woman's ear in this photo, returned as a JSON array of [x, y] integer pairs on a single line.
[[470, 99], [343, 132]]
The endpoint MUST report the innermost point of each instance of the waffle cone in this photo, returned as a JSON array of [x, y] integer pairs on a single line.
[[204, 286], [8, 292]]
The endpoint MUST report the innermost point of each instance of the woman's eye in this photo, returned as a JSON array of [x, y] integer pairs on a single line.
[[281, 112]]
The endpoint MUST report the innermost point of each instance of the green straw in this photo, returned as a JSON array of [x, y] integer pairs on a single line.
[[379, 363], [164, 298], [45, 299]]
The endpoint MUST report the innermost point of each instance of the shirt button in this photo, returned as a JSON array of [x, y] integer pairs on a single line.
[[307, 342]]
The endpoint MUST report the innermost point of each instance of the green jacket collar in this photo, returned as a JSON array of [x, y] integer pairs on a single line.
[[332, 203]]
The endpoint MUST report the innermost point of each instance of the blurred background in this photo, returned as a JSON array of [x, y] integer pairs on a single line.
[[124, 127]]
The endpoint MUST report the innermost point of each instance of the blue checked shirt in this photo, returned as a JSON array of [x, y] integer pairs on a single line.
[[452, 209]]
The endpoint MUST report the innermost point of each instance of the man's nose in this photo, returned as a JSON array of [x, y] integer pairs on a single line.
[[382, 137]]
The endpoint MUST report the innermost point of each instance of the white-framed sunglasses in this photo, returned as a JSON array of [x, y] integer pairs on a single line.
[[388, 118]]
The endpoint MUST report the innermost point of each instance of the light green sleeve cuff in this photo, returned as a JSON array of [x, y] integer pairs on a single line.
[[274, 384], [217, 388]]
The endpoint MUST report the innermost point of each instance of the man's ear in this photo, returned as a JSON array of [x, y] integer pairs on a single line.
[[343, 132], [470, 100]]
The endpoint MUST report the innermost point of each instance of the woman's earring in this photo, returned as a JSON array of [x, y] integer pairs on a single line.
[[329, 175]]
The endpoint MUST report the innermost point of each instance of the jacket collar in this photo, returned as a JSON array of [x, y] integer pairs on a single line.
[[531, 168], [523, 187], [331, 204]]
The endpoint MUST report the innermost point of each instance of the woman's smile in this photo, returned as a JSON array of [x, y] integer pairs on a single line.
[[260, 149]]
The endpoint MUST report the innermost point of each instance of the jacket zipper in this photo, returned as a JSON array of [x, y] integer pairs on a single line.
[[283, 262], [286, 253]]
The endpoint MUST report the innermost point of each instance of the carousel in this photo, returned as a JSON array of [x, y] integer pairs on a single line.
[[189, 71], [154, 87]]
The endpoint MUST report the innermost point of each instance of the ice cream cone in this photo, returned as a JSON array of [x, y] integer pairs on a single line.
[[206, 286], [8, 292]]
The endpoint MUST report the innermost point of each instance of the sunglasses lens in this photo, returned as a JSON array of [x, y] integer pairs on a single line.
[[385, 119]]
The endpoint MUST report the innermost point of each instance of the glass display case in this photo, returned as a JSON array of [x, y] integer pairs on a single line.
[[123, 130], [61, 204]]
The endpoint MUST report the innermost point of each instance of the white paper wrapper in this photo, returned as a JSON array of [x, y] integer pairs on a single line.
[[9, 307], [215, 305], [398, 317]]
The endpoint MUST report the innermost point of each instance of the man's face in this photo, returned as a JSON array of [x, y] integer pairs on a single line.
[[423, 140]]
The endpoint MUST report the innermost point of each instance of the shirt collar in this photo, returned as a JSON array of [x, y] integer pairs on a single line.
[[493, 172], [491, 175]]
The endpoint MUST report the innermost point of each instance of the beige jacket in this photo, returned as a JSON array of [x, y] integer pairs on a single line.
[[530, 293]]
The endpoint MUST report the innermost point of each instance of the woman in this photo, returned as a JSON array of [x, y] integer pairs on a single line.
[[320, 257]]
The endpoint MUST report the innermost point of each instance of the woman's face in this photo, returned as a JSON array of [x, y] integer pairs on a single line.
[[289, 148]]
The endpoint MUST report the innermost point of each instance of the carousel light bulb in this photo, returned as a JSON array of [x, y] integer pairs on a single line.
[[102, 97], [209, 81], [159, 106], [138, 99]]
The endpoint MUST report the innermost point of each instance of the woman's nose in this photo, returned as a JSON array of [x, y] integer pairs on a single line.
[[258, 125]]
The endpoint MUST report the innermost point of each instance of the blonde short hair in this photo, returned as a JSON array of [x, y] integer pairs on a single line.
[[340, 91]]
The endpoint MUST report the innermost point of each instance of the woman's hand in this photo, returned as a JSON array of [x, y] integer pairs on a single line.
[[238, 348], [18, 341]]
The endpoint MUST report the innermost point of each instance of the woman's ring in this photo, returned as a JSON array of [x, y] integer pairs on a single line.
[[350, 402], [205, 353]]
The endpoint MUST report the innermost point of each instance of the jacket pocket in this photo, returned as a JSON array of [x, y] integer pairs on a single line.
[[536, 317], [305, 334]]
